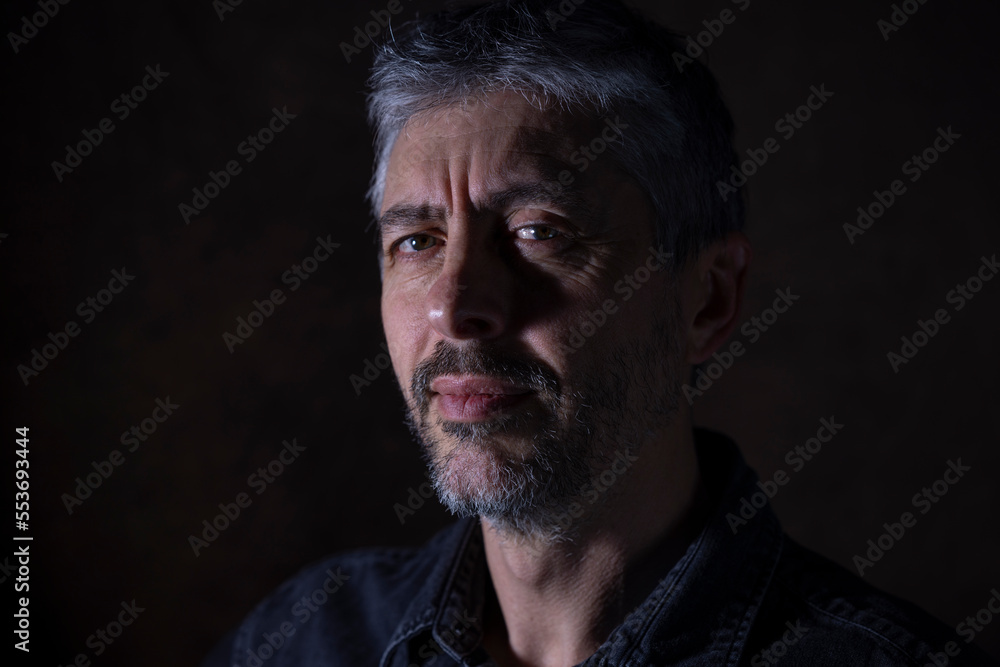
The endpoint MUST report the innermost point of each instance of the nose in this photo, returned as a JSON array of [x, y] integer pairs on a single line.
[[469, 299]]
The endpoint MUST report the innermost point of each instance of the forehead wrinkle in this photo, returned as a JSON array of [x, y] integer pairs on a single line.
[[532, 159]]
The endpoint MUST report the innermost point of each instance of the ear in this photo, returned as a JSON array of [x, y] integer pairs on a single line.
[[713, 294]]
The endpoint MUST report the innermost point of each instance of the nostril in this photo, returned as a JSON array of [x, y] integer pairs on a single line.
[[473, 326]]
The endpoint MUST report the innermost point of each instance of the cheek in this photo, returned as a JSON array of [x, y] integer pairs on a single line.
[[563, 345], [606, 320], [405, 328], [397, 305]]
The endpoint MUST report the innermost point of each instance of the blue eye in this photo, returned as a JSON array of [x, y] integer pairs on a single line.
[[537, 232], [416, 243]]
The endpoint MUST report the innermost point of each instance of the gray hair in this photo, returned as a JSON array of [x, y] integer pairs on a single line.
[[602, 58]]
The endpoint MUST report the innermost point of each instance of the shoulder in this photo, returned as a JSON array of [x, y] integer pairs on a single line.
[[344, 609], [822, 614]]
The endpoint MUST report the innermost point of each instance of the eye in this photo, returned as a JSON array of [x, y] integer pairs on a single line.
[[537, 232], [416, 243]]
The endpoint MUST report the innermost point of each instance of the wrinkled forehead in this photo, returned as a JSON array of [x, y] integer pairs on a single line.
[[502, 134]]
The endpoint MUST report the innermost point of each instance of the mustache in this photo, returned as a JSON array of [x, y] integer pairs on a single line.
[[486, 359]]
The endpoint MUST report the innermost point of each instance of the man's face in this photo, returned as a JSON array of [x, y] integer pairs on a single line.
[[531, 324]]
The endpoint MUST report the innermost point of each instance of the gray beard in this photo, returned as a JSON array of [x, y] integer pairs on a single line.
[[577, 438]]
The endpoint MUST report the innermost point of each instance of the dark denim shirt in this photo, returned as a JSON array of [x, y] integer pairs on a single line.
[[748, 596]]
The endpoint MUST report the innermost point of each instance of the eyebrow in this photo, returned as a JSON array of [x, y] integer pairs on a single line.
[[571, 201], [405, 216]]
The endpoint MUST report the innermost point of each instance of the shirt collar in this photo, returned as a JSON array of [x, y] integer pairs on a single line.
[[707, 602], [702, 607], [446, 614]]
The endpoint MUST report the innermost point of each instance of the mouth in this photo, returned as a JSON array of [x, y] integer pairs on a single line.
[[475, 398]]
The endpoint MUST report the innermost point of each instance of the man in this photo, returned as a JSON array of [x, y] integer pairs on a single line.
[[556, 258]]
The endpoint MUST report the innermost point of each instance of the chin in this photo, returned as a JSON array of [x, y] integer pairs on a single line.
[[477, 474]]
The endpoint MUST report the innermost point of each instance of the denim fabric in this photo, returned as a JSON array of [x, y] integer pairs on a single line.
[[748, 596]]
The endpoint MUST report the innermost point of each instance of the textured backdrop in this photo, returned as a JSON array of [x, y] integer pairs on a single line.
[[202, 77]]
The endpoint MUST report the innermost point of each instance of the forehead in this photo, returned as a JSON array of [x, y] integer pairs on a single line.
[[494, 137], [507, 114]]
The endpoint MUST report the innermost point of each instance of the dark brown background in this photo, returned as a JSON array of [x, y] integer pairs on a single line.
[[162, 336]]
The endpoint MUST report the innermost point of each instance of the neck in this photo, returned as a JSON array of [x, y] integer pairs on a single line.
[[556, 603]]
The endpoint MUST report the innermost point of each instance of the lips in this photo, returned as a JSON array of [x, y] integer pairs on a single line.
[[475, 398]]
